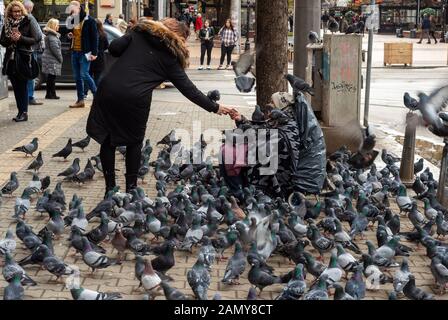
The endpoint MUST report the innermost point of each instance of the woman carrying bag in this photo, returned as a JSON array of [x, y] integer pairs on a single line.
[[229, 38], [52, 57], [206, 34], [18, 35]]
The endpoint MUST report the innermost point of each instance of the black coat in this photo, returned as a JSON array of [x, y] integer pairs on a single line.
[[27, 40], [97, 65], [148, 55]]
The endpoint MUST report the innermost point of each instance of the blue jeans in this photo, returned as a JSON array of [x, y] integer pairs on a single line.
[[81, 67], [30, 84]]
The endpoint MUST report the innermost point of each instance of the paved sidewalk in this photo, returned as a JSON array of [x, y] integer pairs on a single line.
[[54, 123]]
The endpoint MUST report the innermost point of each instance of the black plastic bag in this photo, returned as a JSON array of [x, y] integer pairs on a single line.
[[310, 169]]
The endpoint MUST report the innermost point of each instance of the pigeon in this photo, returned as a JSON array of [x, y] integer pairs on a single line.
[[208, 251], [418, 166], [29, 148], [165, 259], [313, 37], [261, 278], [440, 273], [172, 293], [82, 144], [319, 242], [356, 286], [169, 139], [94, 259], [137, 246], [8, 244], [65, 152], [244, 64], [12, 185], [34, 186], [401, 276], [235, 266], [333, 273], [319, 292], [71, 171], [22, 204], [81, 293], [296, 287], [37, 163], [299, 84], [340, 294], [430, 106], [414, 293], [442, 225], [333, 26], [150, 280], [45, 183], [14, 290], [244, 83], [403, 201], [12, 269], [119, 242], [409, 102], [345, 260], [198, 278]]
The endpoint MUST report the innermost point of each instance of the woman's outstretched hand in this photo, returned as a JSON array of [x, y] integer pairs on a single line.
[[225, 110]]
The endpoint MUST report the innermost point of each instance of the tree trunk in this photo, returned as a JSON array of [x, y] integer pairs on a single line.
[[272, 46]]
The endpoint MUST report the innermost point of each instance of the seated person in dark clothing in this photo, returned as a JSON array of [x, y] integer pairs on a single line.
[[296, 158]]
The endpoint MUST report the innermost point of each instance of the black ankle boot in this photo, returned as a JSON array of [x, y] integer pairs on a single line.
[[131, 182], [21, 117], [109, 178]]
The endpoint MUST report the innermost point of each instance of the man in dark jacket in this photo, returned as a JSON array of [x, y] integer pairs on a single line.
[[84, 49], [426, 26], [29, 6]]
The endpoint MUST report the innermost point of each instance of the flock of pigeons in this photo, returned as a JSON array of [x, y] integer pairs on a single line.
[[200, 216]]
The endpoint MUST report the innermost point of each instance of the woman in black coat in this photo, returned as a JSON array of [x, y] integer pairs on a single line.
[[18, 33], [152, 52]]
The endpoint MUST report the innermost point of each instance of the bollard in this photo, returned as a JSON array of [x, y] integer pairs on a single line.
[[407, 157], [442, 189]]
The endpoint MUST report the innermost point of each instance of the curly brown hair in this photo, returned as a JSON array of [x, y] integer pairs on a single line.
[[178, 27]]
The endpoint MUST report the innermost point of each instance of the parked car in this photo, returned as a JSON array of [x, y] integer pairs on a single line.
[[67, 73]]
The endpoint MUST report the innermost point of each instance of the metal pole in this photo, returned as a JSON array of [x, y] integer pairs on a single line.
[[369, 68], [247, 44], [418, 12], [442, 190]]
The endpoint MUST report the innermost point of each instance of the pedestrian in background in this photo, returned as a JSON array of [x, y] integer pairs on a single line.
[[18, 35], [121, 23], [198, 25], [229, 38], [29, 6], [84, 49], [325, 17], [432, 28], [291, 22], [109, 20], [344, 24], [52, 57], [206, 34], [425, 26], [131, 23], [97, 66]]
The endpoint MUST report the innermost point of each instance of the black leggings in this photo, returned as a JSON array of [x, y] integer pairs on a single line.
[[133, 156], [206, 46], [226, 51], [20, 88], [51, 85]]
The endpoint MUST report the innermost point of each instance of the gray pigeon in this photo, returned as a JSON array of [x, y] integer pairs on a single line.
[[87, 294], [29, 148], [440, 273], [401, 276], [313, 37], [82, 144], [199, 279], [94, 259], [296, 287], [299, 84], [12, 185], [14, 290], [235, 266], [71, 171], [37, 163]]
